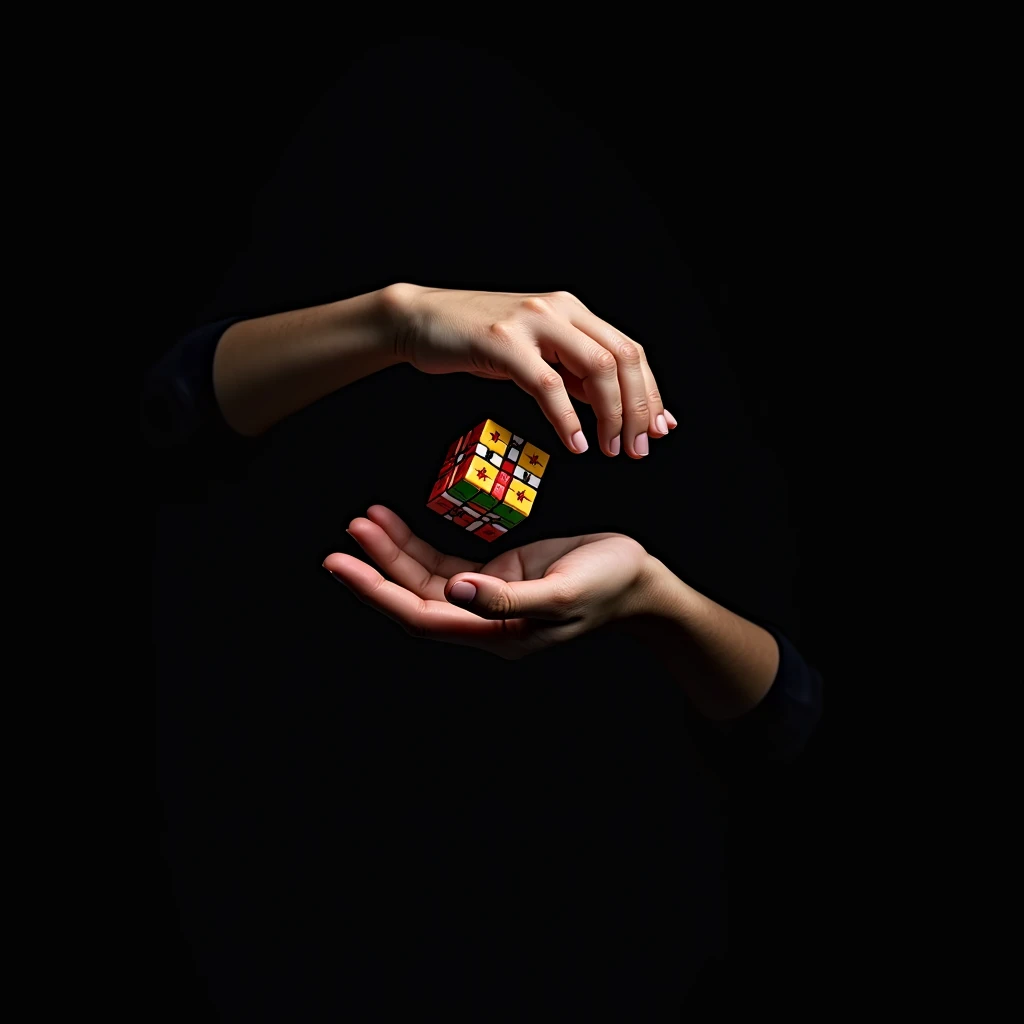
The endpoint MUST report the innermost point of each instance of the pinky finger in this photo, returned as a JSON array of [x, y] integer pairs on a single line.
[[658, 425]]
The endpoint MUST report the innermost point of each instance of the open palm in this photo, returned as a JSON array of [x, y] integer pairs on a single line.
[[525, 599]]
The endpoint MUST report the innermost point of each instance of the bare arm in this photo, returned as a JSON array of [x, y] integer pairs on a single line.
[[551, 591], [269, 367], [549, 344], [724, 663]]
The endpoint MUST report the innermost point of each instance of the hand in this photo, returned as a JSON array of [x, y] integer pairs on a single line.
[[549, 344], [522, 601]]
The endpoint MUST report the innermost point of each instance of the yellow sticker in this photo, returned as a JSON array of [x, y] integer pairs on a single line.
[[481, 474], [496, 438], [533, 459], [520, 497]]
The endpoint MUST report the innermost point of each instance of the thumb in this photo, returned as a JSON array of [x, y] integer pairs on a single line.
[[494, 598]]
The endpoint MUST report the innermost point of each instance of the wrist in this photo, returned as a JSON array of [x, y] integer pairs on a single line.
[[662, 593], [662, 599], [395, 310]]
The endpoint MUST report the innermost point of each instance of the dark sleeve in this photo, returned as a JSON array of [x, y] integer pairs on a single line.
[[778, 729], [188, 445], [179, 406]]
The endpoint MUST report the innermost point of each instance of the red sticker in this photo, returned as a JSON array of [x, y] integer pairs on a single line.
[[441, 505], [487, 532]]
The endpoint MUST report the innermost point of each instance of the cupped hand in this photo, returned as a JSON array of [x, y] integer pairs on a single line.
[[524, 600], [550, 345]]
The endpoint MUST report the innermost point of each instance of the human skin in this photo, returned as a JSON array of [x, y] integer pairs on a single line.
[[551, 591], [540, 594], [549, 344]]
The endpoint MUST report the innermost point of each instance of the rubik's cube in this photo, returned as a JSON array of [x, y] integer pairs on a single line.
[[489, 481]]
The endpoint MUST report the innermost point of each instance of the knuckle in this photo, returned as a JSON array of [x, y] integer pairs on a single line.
[[654, 398], [503, 604], [628, 353], [604, 363], [549, 382], [563, 296], [502, 333], [537, 304], [641, 408]]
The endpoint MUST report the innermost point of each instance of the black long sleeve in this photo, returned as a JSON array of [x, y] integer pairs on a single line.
[[181, 411], [178, 401], [778, 729]]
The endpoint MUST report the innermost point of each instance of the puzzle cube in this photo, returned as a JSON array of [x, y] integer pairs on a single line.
[[489, 481]]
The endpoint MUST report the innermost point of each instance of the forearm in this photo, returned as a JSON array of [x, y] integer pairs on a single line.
[[724, 663], [267, 368]]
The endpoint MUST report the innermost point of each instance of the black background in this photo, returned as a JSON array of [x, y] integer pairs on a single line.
[[726, 140]]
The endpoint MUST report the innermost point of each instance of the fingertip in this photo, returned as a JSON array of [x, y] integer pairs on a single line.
[[578, 443], [388, 521], [453, 586], [462, 593], [350, 570], [332, 563]]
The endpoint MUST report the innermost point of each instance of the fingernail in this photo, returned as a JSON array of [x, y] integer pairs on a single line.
[[672, 421], [659, 422], [462, 592], [640, 444], [614, 445], [579, 442]]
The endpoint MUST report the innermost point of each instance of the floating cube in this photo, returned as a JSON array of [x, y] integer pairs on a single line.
[[489, 481]]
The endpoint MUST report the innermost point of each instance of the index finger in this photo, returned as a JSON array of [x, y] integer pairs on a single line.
[[429, 557], [523, 363], [431, 620]]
